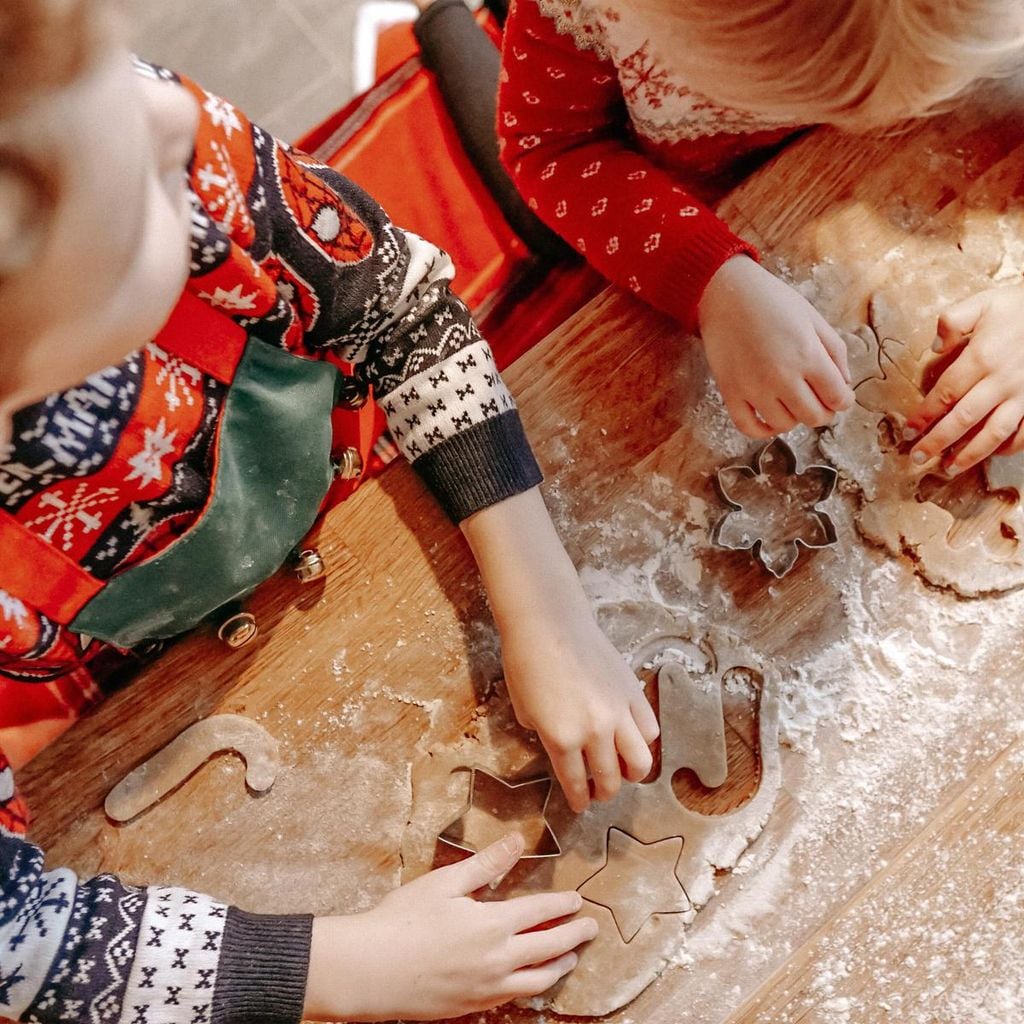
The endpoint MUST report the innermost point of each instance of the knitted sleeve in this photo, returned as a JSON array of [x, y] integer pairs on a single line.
[[327, 271], [414, 342], [99, 951], [564, 136]]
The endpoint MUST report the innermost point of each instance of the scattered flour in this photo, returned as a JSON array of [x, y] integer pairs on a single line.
[[897, 705]]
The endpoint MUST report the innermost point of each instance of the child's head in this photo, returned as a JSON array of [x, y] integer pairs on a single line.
[[858, 64], [94, 220]]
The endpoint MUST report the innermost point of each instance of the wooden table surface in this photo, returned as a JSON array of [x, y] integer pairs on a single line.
[[903, 903]]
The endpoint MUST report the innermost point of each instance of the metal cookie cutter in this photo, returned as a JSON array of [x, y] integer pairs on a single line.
[[496, 807], [773, 507]]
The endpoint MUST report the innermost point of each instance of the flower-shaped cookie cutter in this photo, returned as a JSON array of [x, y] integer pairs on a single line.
[[773, 507]]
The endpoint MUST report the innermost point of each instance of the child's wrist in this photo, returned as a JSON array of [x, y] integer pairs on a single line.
[[336, 987], [550, 619], [554, 599], [723, 283]]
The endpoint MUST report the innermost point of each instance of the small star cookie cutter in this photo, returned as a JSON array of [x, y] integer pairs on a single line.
[[773, 507], [496, 807]]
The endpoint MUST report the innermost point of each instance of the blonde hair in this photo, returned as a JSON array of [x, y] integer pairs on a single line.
[[855, 63]]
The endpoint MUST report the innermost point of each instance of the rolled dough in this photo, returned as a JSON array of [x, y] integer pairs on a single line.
[[644, 863]]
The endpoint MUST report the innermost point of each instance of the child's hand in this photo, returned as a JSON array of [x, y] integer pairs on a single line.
[[563, 675], [568, 682], [976, 406], [775, 359], [429, 950]]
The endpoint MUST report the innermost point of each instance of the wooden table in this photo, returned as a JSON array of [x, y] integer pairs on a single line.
[[901, 901]]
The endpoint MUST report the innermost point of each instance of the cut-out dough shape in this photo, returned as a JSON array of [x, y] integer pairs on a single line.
[[497, 807], [964, 534], [611, 971], [774, 507], [700, 737], [637, 881], [186, 754]]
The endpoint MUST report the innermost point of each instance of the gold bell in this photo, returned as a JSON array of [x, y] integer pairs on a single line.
[[309, 565], [238, 630], [350, 465], [350, 393]]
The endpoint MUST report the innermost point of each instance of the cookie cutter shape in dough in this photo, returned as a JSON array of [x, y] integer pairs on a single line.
[[611, 970], [773, 507], [497, 807], [637, 881], [167, 769]]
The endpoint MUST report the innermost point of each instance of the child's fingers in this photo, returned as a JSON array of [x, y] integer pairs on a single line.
[[531, 981], [965, 415], [956, 323], [829, 387], [635, 753], [539, 947], [645, 718], [999, 428], [1014, 444], [491, 864], [745, 418], [778, 417], [960, 376], [530, 911], [806, 407], [603, 759], [834, 346], [572, 776]]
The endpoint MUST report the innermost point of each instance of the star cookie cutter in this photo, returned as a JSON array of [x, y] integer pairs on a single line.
[[773, 507], [496, 807]]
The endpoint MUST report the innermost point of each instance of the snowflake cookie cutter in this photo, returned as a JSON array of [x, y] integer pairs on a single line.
[[773, 507], [496, 807]]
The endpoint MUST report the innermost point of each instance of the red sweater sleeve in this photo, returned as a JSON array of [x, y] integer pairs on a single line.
[[564, 137]]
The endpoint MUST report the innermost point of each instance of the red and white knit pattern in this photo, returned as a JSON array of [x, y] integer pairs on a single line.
[[612, 149]]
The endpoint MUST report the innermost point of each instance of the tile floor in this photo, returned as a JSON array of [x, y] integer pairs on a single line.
[[286, 63]]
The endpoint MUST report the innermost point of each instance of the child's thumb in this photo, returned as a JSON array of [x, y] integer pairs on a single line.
[[957, 322], [489, 866]]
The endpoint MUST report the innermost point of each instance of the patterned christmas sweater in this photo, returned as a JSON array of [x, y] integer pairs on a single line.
[[112, 471], [611, 148]]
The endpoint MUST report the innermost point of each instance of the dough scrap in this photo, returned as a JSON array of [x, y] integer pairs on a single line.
[[964, 534], [186, 754]]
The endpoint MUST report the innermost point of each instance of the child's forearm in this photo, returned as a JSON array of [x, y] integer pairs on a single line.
[[564, 678], [524, 567], [336, 987]]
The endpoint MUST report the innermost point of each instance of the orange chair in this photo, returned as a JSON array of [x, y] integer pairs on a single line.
[[401, 142]]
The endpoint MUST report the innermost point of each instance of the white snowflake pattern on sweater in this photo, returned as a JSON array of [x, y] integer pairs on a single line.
[[662, 107]]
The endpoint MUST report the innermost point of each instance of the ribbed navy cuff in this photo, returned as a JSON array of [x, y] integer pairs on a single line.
[[685, 273], [481, 466], [264, 964]]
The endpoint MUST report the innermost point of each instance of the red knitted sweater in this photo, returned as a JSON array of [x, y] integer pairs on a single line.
[[615, 153]]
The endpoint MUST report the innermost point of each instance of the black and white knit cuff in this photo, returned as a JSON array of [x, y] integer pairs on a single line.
[[445, 400], [264, 964], [480, 466]]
